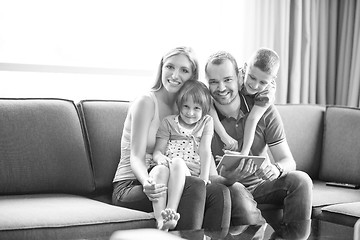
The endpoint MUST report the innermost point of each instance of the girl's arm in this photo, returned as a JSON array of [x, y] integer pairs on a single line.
[[139, 135], [250, 127], [230, 143], [205, 150], [159, 151]]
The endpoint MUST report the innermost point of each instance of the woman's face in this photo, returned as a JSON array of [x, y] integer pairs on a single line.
[[176, 70]]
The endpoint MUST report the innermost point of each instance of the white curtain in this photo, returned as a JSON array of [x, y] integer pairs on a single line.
[[319, 45]]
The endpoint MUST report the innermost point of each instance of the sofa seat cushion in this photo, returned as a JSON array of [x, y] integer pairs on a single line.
[[327, 195], [349, 209], [345, 213], [61, 210]]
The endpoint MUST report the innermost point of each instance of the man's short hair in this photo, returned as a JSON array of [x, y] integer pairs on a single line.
[[220, 57]]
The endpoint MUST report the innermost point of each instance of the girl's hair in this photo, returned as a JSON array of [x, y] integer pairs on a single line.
[[198, 92], [186, 51]]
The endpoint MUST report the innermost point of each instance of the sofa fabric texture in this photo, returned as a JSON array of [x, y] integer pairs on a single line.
[[42, 148], [47, 176], [103, 122], [341, 146]]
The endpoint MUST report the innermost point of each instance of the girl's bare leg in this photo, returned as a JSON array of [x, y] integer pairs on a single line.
[[160, 175], [178, 172]]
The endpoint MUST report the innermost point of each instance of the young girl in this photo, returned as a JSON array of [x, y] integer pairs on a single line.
[[184, 145], [263, 91]]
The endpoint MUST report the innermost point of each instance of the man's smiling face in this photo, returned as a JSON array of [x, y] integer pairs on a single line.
[[223, 82]]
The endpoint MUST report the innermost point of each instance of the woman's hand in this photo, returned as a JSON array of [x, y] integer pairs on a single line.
[[152, 190]]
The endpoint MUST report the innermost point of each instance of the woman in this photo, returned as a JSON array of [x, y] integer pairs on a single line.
[[138, 185]]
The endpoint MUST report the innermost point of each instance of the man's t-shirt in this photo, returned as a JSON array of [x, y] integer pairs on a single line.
[[269, 132]]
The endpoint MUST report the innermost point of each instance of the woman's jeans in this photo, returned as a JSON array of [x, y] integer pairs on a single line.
[[293, 192], [192, 207]]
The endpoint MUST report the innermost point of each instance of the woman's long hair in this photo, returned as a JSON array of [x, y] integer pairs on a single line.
[[186, 51]]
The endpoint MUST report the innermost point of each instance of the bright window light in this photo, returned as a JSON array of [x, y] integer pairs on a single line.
[[121, 36]]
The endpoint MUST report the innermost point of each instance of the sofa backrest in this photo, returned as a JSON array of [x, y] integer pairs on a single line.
[[103, 121], [341, 150], [42, 148], [303, 125]]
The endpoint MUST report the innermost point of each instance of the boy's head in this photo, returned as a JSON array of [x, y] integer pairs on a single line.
[[260, 70]]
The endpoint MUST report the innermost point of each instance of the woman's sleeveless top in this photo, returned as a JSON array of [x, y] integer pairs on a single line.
[[124, 171]]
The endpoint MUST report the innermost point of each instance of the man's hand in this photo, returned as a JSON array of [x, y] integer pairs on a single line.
[[270, 172], [244, 170], [152, 190]]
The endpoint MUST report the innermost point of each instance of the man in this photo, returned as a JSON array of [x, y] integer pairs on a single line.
[[277, 183]]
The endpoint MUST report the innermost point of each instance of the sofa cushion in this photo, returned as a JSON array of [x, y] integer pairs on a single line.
[[345, 213], [42, 148], [349, 209], [341, 149], [65, 214], [304, 131], [103, 121], [327, 195]]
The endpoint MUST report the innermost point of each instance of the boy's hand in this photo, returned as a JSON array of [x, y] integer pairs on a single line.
[[230, 143]]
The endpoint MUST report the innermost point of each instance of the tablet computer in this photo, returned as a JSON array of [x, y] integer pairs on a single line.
[[231, 161]]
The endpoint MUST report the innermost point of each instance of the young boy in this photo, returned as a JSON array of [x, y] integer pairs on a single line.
[[266, 62]]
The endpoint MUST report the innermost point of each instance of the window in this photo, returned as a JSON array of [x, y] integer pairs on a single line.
[[108, 49]]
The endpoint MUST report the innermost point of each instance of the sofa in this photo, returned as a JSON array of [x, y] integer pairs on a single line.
[[58, 159], [325, 143]]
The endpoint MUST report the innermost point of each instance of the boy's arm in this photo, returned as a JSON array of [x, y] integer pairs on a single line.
[[230, 143], [250, 126]]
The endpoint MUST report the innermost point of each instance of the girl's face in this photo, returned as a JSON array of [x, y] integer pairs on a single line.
[[256, 80], [190, 112], [175, 71]]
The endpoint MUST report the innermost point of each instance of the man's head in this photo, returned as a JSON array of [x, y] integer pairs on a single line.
[[261, 70], [222, 73]]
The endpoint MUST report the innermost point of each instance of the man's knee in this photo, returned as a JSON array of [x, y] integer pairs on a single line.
[[300, 177], [300, 180], [244, 207]]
